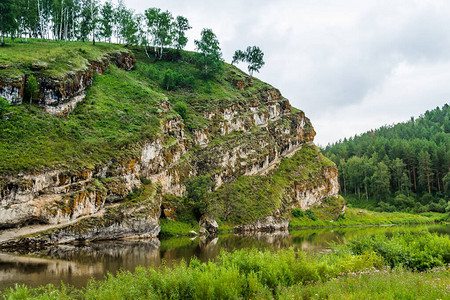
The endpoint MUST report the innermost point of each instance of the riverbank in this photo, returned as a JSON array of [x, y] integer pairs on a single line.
[[363, 217], [319, 218], [360, 267]]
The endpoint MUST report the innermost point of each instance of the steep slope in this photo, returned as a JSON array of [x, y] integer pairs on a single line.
[[128, 150]]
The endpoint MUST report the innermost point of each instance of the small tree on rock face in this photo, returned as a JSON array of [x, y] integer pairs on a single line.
[[169, 80], [253, 56], [31, 90], [210, 57]]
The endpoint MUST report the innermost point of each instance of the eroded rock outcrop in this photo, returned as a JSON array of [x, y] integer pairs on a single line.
[[60, 95], [243, 138]]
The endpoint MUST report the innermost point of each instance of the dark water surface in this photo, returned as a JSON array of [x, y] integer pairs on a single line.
[[76, 265]]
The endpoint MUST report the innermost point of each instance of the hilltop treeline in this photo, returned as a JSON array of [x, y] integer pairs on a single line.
[[400, 167], [71, 20]]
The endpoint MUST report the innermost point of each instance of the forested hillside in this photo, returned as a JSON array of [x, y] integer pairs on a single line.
[[398, 167]]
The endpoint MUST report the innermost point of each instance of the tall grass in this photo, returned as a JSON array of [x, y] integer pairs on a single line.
[[358, 217], [254, 274]]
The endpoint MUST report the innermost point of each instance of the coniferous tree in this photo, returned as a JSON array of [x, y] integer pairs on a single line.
[[417, 153]]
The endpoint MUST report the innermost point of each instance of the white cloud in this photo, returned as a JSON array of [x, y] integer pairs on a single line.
[[350, 65]]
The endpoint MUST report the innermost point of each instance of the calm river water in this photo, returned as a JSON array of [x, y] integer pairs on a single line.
[[76, 265]]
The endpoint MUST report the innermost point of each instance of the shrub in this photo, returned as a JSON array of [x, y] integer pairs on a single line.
[[298, 212], [4, 107], [197, 189], [256, 274], [310, 214], [31, 90], [181, 109], [418, 250], [169, 80]]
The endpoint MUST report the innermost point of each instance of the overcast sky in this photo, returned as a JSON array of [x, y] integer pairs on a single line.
[[350, 65]]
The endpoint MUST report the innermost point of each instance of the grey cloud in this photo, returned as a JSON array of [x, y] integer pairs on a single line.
[[327, 56]]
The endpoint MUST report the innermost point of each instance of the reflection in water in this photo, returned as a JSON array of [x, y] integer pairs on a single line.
[[75, 265]]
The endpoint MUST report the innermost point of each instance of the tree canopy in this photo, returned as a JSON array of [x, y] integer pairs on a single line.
[[253, 56], [392, 163], [210, 56]]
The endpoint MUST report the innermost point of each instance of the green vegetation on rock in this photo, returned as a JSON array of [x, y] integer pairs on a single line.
[[250, 198], [49, 58], [117, 114], [121, 108]]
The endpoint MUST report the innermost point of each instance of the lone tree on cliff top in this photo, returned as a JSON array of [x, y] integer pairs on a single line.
[[253, 56], [210, 57]]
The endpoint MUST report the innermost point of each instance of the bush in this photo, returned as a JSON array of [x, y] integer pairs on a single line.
[[418, 250], [31, 90], [169, 80], [256, 274], [298, 212], [197, 189], [310, 214], [181, 109], [4, 107], [173, 80]]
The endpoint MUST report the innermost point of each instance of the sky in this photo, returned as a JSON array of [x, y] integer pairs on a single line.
[[351, 66]]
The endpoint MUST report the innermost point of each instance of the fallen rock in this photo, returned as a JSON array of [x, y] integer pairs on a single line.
[[209, 224]]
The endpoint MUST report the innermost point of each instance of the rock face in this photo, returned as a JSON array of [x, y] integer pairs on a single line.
[[254, 135], [208, 224], [12, 90], [268, 224], [59, 96]]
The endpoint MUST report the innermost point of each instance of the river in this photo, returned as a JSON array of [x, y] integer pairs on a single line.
[[76, 265]]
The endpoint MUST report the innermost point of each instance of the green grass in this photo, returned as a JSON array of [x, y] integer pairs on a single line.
[[176, 228], [286, 274], [385, 285], [116, 115], [121, 109], [250, 198], [359, 217]]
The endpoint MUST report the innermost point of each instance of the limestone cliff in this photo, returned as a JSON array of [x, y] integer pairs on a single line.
[[256, 137]]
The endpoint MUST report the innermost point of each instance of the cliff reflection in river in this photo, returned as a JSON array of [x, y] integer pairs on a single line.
[[77, 264]]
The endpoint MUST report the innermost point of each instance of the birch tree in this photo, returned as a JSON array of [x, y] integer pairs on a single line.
[[7, 19], [210, 56], [107, 21], [181, 25], [160, 26], [253, 56]]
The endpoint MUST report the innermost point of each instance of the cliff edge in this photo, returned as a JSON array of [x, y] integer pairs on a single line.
[[107, 150]]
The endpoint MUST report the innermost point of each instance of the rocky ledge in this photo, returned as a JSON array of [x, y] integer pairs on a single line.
[[59, 96]]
